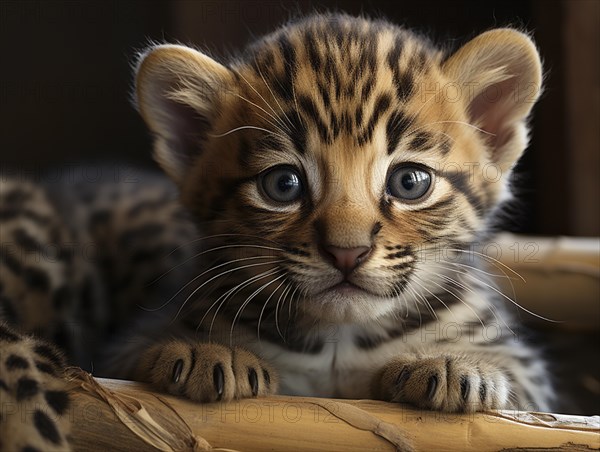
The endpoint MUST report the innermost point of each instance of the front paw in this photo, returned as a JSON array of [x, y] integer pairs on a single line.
[[446, 383], [207, 372]]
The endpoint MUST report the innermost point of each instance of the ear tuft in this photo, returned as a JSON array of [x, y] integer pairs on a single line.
[[178, 91], [502, 72]]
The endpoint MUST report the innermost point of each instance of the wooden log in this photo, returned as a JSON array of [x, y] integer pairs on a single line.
[[127, 416]]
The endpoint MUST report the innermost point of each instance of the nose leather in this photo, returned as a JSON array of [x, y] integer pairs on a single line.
[[346, 259]]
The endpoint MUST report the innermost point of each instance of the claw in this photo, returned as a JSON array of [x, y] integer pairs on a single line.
[[219, 380], [432, 386], [267, 377], [177, 368], [403, 376], [483, 391], [465, 385], [253, 378]]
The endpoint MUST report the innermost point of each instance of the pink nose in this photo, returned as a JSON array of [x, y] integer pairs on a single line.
[[346, 259]]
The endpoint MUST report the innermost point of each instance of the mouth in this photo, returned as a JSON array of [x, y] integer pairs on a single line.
[[346, 288]]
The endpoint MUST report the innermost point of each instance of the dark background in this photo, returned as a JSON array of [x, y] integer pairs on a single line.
[[66, 80]]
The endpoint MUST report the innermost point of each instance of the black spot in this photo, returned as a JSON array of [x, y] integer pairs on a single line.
[[26, 241], [26, 388], [16, 362], [396, 127], [445, 146], [30, 449], [58, 400], [16, 196], [442, 204], [324, 91], [381, 106], [11, 262], [36, 279], [7, 214], [46, 427], [460, 182], [48, 352], [313, 54], [45, 368], [404, 252], [7, 335], [283, 84], [296, 251], [402, 266], [393, 57], [308, 106], [420, 141], [368, 342]]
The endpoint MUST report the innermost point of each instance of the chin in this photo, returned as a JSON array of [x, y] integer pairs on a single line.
[[348, 305]]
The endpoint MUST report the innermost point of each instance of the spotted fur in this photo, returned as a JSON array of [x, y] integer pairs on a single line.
[[346, 289]]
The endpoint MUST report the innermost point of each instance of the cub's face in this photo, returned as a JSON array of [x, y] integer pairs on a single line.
[[341, 162]]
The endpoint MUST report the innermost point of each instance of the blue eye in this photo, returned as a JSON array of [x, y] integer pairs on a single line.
[[409, 182], [281, 184]]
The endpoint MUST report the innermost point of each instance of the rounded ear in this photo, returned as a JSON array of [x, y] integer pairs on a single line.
[[179, 92], [502, 73]]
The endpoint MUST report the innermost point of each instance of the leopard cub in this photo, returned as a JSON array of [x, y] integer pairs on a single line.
[[313, 235]]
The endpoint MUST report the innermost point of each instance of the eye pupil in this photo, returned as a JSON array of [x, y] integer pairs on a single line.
[[287, 182], [409, 182]]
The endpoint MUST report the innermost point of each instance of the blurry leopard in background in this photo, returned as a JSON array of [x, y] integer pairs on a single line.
[[319, 245]]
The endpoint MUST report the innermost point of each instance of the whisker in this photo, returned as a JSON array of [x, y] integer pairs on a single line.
[[436, 297], [283, 294], [265, 305], [195, 256], [208, 237], [250, 298], [275, 118], [204, 273], [220, 275], [425, 302], [513, 301], [248, 127], [231, 293], [454, 122], [296, 104], [490, 258], [274, 98]]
